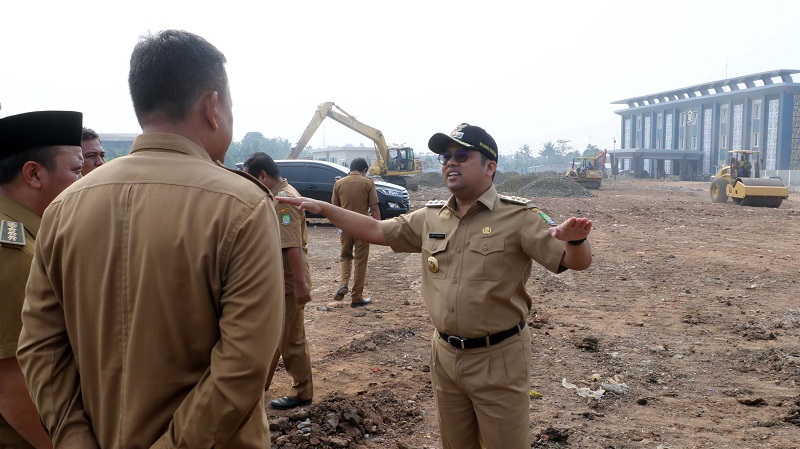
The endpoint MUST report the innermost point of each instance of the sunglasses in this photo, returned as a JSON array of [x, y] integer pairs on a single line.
[[461, 155]]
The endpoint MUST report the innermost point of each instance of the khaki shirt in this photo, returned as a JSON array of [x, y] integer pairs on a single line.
[[355, 192], [475, 268], [22, 224], [155, 292], [294, 233]]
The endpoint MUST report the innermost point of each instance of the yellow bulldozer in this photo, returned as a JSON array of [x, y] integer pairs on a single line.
[[741, 181], [589, 171]]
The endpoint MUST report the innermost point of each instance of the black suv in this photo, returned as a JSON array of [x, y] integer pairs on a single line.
[[315, 179]]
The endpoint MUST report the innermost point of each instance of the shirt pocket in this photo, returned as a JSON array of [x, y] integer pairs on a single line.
[[485, 259], [435, 258]]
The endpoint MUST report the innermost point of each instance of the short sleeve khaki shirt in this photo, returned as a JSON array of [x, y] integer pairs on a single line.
[[18, 228], [293, 229], [17, 238], [475, 267], [355, 192]]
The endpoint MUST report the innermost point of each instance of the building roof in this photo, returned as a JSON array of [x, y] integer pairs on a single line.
[[711, 88]]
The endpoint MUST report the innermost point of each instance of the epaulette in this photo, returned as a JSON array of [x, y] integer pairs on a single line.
[[515, 199], [12, 233], [435, 203]]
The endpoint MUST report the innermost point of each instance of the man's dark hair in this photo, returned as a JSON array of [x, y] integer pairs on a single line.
[[257, 162], [359, 164], [89, 134], [11, 166], [171, 70]]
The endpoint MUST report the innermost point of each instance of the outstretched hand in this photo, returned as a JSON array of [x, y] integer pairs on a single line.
[[572, 229], [302, 203]]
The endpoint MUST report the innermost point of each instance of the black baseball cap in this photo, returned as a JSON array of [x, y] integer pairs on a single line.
[[467, 135], [39, 129]]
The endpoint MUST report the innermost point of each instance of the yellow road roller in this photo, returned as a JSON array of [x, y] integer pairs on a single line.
[[741, 181]]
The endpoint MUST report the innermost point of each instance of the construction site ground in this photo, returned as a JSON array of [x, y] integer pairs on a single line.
[[688, 320]]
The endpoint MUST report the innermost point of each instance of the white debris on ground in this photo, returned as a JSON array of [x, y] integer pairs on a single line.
[[583, 391]]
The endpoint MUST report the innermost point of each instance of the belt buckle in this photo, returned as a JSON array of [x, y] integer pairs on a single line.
[[459, 342]]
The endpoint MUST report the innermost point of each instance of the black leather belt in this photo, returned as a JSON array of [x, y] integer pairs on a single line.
[[481, 342]]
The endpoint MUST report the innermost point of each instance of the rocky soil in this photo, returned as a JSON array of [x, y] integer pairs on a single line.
[[683, 333]]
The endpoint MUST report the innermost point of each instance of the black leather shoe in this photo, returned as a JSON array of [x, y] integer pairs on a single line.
[[363, 302], [340, 293], [286, 403]]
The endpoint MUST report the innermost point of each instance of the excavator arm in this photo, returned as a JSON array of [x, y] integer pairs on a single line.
[[391, 172], [327, 110], [316, 120]]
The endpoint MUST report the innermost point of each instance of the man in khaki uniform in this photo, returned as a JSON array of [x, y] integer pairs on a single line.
[[297, 284], [93, 153], [156, 290], [477, 250], [39, 156], [357, 193]]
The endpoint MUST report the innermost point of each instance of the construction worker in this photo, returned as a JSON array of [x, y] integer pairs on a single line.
[[40, 155], [297, 285], [476, 250]]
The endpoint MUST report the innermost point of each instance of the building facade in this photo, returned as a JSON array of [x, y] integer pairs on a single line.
[[344, 155], [687, 132]]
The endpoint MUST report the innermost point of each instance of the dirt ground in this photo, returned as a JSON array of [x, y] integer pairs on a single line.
[[689, 319]]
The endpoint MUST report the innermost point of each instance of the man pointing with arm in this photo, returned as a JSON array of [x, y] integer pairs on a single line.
[[476, 252]]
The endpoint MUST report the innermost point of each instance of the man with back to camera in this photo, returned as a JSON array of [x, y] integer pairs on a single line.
[[477, 249], [40, 155], [159, 336], [357, 193], [93, 153], [297, 284]]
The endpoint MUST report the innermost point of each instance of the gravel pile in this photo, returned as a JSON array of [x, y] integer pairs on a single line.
[[346, 421], [546, 184], [430, 179], [503, 176]]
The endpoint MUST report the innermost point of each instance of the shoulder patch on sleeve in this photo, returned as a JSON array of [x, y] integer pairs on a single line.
[[12, 233], [515, 199], [435, 203], [281, 194], [544, 216]]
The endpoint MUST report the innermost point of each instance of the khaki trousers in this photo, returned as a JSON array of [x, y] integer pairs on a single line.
[[483, 394], [358, 251], [294, 350]]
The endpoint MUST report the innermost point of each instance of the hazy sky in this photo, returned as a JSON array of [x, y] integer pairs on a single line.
[[526, 71]]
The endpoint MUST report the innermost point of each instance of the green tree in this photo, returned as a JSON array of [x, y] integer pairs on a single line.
[[254, 142], [549, 152], [591, 150], [523, 158], [564, 148]]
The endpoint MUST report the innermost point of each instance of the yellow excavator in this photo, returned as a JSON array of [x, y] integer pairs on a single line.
[[588, 170], [741, 181], [392, 164]]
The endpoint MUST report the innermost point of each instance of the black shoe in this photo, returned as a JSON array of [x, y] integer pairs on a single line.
[[340, 293], [363, 302], [286, 403]]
